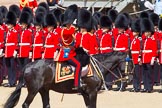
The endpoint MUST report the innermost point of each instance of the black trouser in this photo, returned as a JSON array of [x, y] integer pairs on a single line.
[[137, 76], [11, 70], [148, 76], [1, 70], [22, 62]]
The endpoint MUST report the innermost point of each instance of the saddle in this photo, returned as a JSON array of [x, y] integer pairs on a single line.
[[65, 72]]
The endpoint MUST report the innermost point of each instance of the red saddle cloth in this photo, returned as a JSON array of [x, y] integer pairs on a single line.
[[65, 72]]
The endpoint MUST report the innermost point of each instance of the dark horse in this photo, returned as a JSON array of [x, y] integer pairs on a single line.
[[114, 65], [39, 77]]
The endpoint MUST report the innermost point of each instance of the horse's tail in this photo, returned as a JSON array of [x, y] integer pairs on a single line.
[[15, 95]]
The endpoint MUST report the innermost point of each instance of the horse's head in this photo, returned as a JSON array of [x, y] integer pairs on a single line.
[[82, 56]]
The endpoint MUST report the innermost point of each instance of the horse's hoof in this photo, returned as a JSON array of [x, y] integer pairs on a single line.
[[160, 91]]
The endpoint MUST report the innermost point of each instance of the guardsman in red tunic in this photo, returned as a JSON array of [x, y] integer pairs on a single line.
[[155, 19], [38, 41], [52, 39], [67, 50], [10, 48], [136, 56], [149, 53], [25, 39], [121, 41], [2, 31]]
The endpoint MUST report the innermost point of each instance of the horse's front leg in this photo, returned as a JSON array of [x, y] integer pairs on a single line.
[[92, 99]]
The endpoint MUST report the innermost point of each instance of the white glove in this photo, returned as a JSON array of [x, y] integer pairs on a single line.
[[1, 52], [15, 54], [152, 61], [30, 54], [139, 59], [42, 55]]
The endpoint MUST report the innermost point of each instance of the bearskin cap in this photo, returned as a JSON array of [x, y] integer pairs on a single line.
[[25, 18], [135, 26], [94, 23], [105, 22], [160, 25], [50, 20], [1, 18], [4, 11], [45, 5], [112, 14], [129, 19], [11, 18], [154, 18], [15, 9], [70, 14], [85, 19], [146, 25], [61, 19], [121, 22], [57, 13], [29, 10], [144, 15], [97, 16], [39, 19], [41, 9]]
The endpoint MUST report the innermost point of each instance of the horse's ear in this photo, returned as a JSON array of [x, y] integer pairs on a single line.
[[82, 56]]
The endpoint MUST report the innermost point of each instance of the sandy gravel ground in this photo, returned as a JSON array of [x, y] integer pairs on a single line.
[[106, 99]]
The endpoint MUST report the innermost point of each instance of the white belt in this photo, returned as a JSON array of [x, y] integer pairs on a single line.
[[135, 52], [37, 44], [23, 44], [105, 48], [48, 46], [9, 44], [119, 49], [146, 51]]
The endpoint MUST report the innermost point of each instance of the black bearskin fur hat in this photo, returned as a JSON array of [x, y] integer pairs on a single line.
[[70, 14], [57, 13], [45, 5], [25, 18], [39, 19], [105, 22], [135, 26], [144, 15], [121, 22], [41, 9], [154, 18], [15, 9], [112, 14], [11, 18], [1, 18], [97, 16], [4, 11], [50, 20], [85, 19], [160, 25], [146, 25]]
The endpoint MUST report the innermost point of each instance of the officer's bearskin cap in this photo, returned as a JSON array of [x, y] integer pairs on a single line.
[[97, 16], [39, 19], [57, 13], [128, 17], [4, 11], [11, 18], [121, 22], [85, 19], [105, 22], [1, 18], [41, 9], [15, 9], [112, 14], [25, 18], [144, 15], [45, 5], [135, 26], [50, 20], [160, 25], [146, 25], [154, 18], [70, 14]]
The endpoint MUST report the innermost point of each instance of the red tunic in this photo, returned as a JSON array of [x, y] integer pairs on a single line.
[[11, 43], [51, 44], [149, 50], [25, 43], [1, 37], [135, 49], [37, 44]]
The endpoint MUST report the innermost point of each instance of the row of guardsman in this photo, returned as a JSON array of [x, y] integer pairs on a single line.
[[26, 36]]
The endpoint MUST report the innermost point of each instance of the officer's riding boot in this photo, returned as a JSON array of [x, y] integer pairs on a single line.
[[160, 91]]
